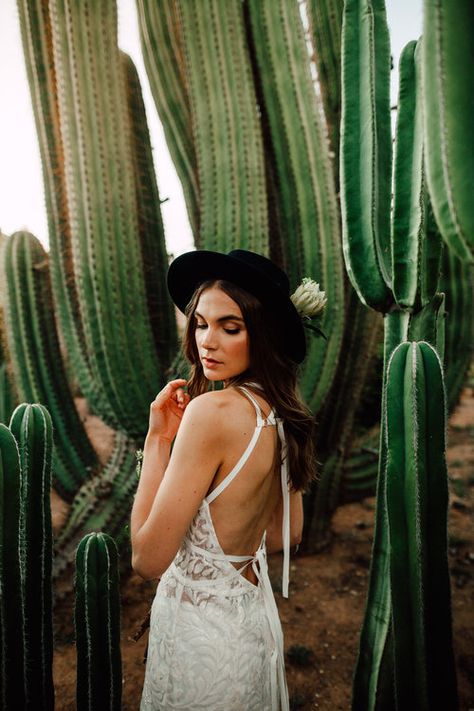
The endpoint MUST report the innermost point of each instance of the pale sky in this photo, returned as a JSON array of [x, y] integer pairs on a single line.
[[21, 185]]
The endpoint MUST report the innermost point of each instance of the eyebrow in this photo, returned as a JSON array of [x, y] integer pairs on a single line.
[[229, 317]]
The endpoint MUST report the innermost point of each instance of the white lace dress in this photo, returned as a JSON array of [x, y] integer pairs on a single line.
[[215, 641]]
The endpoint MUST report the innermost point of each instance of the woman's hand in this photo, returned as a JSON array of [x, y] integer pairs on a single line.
[[166, 410]]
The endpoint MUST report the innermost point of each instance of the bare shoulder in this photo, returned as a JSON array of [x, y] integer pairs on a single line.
[[218, 408]]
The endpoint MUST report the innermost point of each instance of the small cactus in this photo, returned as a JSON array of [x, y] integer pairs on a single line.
[[97, 624], [12, 690], [32, 428]]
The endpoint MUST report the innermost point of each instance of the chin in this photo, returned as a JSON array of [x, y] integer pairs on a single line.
[[215, 377]]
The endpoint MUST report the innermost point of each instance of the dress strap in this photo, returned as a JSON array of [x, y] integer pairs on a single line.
[[285, 526], [261, 422]]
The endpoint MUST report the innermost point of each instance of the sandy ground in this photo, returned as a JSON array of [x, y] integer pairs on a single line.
[[322, 618]]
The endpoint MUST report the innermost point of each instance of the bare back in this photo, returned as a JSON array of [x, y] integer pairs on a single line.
[[243, 510]]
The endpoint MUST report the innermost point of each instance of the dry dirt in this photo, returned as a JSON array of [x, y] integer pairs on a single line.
[[322, 618]]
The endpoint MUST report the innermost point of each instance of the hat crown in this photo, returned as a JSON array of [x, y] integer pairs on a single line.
[[264, 265], [252, 272]]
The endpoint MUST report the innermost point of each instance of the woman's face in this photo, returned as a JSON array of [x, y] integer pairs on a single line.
[[221, 335]]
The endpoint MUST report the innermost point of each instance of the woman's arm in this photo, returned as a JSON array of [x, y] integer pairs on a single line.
[[172, 487], [274, 539]]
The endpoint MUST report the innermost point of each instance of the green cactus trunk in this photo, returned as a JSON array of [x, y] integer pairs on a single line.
[[448, 53], [36, 32], [417, 505], [12, 686], [101, 194], [97, 624], [163, 53], [325, 20], [32, 427], [36, 358], [299, 155]]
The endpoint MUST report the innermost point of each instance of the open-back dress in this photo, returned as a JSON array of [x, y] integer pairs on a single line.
[[215, 641]]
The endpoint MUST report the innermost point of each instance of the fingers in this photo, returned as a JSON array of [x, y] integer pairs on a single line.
[[173, 391]]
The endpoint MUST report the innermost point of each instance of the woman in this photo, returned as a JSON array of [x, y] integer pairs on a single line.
[[206, 513]]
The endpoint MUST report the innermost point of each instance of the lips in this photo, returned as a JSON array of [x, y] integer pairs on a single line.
[[210, 361]]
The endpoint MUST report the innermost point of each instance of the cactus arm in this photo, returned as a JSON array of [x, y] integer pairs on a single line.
[[431, 256], [325, 18], [102, 503], [39, 61], [34, 346], [161, 41], [150, 224], [12, 687], [448, 50], [97, 624], [102, 202], [409, 219], [305, 178], [428, 324], [226, 127], [366, 153]]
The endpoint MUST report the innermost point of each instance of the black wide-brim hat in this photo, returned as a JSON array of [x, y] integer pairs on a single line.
[[250, 271]]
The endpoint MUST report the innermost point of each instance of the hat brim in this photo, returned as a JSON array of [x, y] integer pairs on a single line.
[[191, 269]]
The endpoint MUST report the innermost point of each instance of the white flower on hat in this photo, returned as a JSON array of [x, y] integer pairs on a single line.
[[308, 299]]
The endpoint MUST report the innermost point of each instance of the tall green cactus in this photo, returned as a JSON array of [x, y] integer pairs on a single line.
[[97, 624], [12, 688], [36, 357], [102, 202], [32, 427], [415, 497], [388, 268], [417, 509], [448, 53], [163, 53], [37, 43], [100, 185], [325, 20], [308, 212]]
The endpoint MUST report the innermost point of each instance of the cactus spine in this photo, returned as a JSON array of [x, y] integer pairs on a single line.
[[97, 623]]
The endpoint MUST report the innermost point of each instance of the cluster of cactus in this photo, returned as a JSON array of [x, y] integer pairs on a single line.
[[256, 147], [393, 260], [258, 162], [26, 599]]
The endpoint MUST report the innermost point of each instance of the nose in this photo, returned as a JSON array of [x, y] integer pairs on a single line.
[[209, 340]]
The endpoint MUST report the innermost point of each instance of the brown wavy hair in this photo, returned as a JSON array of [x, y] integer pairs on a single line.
[[271, 368]]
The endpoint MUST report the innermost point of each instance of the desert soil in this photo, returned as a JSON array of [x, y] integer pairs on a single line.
[[323, 615]]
